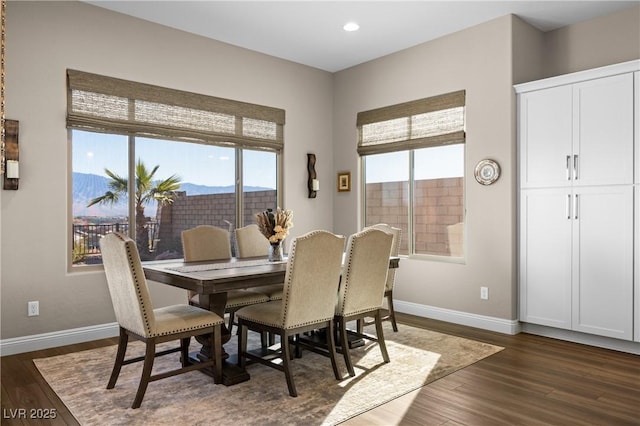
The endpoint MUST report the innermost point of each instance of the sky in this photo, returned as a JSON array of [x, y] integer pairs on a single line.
[[194, 163]]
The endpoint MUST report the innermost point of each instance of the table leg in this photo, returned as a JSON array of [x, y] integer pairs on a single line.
[[231, 373]]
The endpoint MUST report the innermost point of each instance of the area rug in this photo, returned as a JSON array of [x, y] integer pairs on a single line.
[[418, 357]]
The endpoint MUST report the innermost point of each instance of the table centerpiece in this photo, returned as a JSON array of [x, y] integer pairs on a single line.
[[275, 227]]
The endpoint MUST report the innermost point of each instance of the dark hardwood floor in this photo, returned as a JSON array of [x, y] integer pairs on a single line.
[[534, 381]]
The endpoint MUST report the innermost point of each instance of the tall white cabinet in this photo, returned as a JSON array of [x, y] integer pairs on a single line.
[[577, 148], [636, 181]]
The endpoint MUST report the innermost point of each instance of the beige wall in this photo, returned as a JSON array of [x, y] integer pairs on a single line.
[[45, 38], [601, 41], [477, 60]]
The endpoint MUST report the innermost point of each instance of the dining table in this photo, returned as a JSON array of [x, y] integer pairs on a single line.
[[211, 280]]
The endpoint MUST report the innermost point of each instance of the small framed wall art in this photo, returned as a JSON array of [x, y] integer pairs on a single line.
[[344, 181]]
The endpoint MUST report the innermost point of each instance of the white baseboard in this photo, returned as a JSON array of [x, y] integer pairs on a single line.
[[583, 338], [499, 325], [86, 334], [514, 326], [54, 339]]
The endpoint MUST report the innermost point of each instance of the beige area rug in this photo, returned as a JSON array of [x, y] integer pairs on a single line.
[[417, 357]]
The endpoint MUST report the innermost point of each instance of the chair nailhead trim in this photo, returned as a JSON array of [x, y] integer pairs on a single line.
[[136, 280]]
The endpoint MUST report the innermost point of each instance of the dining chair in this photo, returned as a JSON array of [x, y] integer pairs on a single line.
[[309, 298], [206, 242], [391, 276], [138, 319], [362, 288], [251, 243]]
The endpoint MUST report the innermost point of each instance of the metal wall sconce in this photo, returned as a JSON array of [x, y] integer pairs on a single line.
[[11, 164], [313, 184]]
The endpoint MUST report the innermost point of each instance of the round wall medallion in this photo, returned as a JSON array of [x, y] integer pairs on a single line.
[[487, 172]]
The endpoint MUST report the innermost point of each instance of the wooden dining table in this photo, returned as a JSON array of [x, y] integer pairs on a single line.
[[212, 280]]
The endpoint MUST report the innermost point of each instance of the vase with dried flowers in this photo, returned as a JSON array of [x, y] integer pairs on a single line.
[[275, 227]]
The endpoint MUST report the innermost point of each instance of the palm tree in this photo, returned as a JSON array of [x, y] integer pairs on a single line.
[[147, 190]]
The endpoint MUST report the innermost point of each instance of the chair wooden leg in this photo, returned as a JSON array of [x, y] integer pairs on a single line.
[[392, 312], [380, 337], [231, 320], [286, 364], [217, 354], [184, 351], [360, 325], [344, 343], [332, 350], [297, 349], [117, 365], [149, 357]]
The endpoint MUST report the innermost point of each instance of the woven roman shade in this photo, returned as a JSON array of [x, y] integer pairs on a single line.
[[111, 105], [423, 123]]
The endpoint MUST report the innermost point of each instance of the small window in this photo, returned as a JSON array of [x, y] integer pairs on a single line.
[[413, 162]]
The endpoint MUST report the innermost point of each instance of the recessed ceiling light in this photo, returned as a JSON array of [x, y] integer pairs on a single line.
[[351, 26]]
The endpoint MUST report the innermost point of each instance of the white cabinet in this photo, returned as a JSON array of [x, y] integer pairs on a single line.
[[636, 76], [576, 259], [545, 257], [545, 137], [636, 286], [576, 202], [602, 281], [578, 134]]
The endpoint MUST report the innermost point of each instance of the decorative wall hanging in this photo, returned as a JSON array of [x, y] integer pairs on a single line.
[[487, 171], [11, 173], [313, 184]]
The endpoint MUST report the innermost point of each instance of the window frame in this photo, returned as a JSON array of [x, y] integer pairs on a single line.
[[410, 144], [248, 134]]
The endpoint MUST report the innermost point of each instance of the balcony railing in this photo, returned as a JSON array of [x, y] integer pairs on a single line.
[[86, 238]]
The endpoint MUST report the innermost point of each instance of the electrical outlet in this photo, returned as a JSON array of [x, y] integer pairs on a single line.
[[484, 293], [33, 308]]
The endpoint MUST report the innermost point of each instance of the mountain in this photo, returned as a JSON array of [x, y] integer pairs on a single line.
[[87, 186]]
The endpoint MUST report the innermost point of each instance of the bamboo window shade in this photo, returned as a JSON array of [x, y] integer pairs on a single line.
[[423, 123], [111, 105]]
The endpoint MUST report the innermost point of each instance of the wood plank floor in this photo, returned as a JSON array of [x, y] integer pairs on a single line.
[[534, 381]]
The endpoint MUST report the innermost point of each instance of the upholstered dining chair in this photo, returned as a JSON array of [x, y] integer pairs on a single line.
[[206, 242], [362, 287], [391, 275], [251, 243], [138, 319], [309, 298]]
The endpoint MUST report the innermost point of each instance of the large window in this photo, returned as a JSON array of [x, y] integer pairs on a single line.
[[218, 170], [413, 162]]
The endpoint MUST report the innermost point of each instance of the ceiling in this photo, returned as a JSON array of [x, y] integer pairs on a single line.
[[310, 32]]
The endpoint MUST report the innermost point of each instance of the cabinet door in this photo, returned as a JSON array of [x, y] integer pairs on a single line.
[[545, 257], [603, 131], [636, 76], [545, 137], [636, 269], [603, 261], [636, 287]]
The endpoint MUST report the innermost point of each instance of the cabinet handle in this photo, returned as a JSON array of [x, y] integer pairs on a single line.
[[569, 206], [575, 167], [575, 206], [568, 173]]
